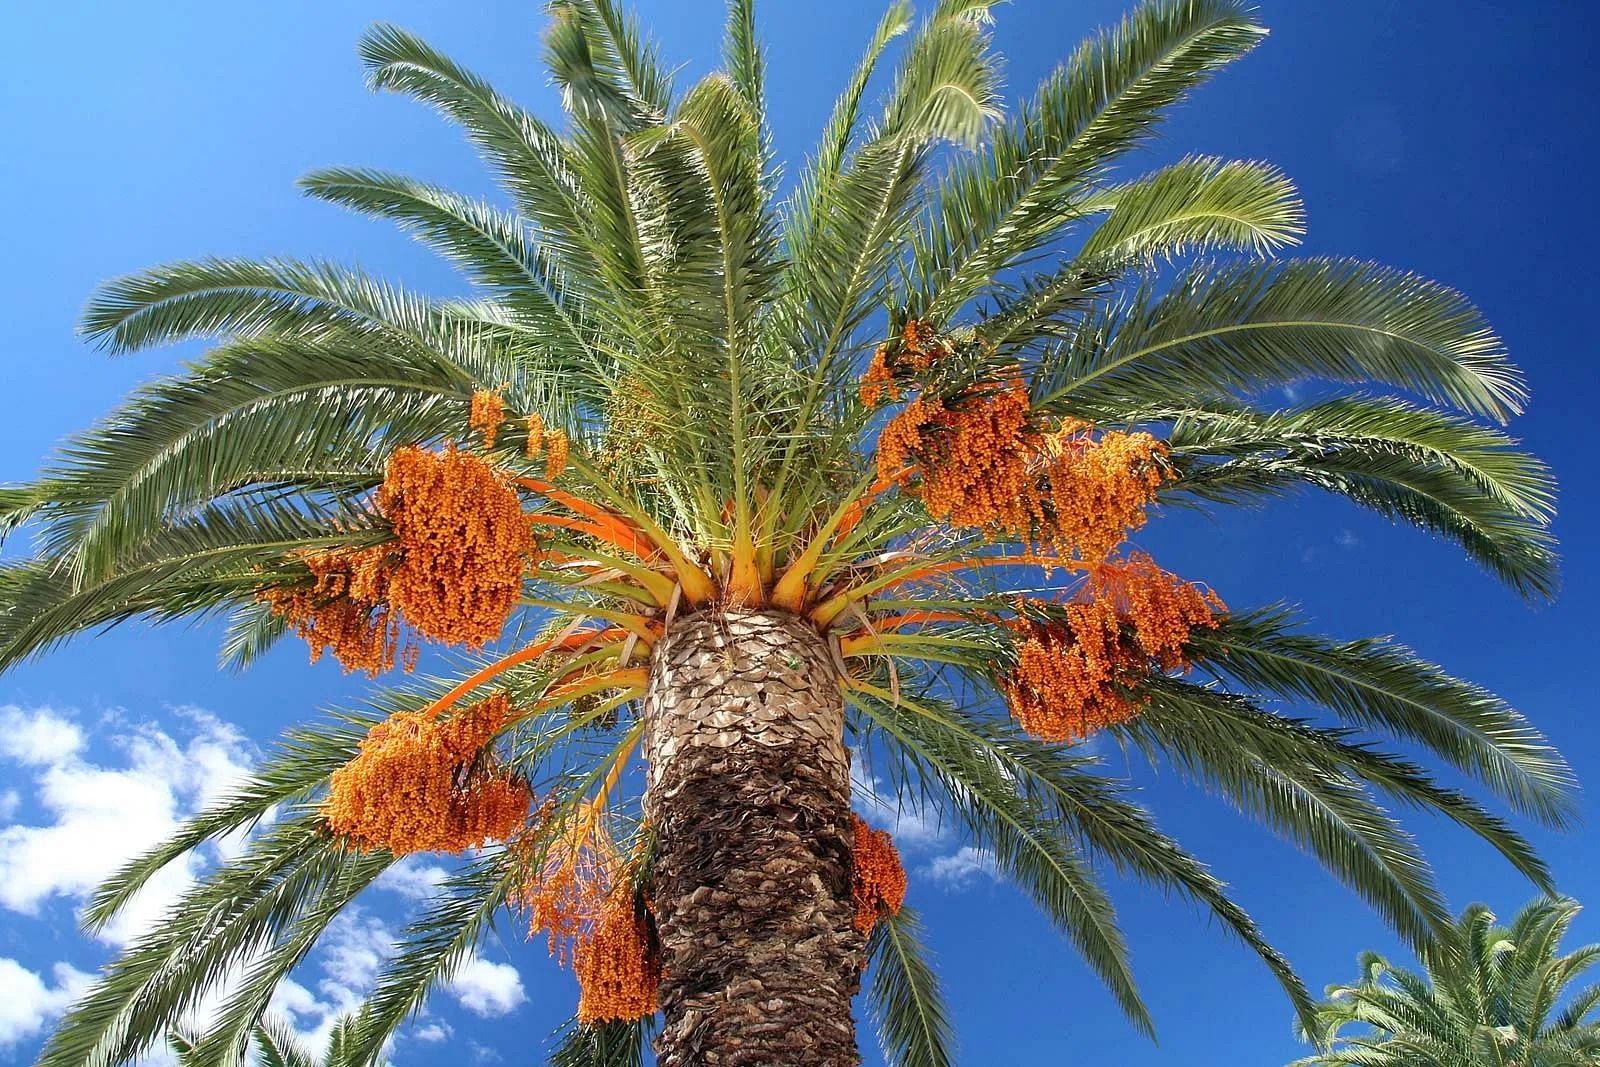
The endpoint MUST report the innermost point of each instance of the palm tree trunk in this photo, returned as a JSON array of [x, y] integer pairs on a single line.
[[749, 801]]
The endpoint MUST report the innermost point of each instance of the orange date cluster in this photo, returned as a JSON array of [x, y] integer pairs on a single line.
[[464, 544], [424, 784], [1075, 677], [878, 879], [344, 608], [617, 967], [983, 459], [581, 899], [452, 571]]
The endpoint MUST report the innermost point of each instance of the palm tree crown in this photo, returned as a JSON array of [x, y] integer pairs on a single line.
[[1487, 995], [919, 404]]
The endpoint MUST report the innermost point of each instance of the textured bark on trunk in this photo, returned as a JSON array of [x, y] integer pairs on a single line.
[[749, 800]]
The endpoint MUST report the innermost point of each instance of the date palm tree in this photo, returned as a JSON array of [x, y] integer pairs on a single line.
[[1487, 996], [756, 485]]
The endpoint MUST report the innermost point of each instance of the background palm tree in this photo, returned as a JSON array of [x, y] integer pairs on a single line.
[[660, 371], [1488, 996]]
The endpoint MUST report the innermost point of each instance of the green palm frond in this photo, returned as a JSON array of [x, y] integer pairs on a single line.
[[1484, 456], [995, 209], [491, 246], [530, 158], [1046, 865], [1220, 331], [741, 53], [247, 1002], [208, 562], [1378, 684], [843, 124], [1197, 205], [287, 874], [852, 218], [604, 63], [252, 629], [211, 297], [903, 995], [1484, 994], [303, 760], [317, 415], [460, 912], [1431, 469], [1258, 763], [602, 1044], [1116, 830]]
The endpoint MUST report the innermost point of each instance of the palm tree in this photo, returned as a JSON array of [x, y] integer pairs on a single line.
[[755, 486], [1488, 996]]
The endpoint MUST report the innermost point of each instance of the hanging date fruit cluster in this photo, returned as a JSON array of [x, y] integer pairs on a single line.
[[427, 783], [980, 457], [581, 897], [452, 571]]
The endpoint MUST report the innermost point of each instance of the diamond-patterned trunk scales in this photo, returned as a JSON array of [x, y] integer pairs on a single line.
[[749, 799]]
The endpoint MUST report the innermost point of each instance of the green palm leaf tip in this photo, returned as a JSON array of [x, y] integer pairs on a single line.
[[605, 1044], [903, 995], [1484, 994], [275, 1043], [643, 271]]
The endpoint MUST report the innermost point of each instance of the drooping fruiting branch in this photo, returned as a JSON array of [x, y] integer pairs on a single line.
[[624, 538], [493, 670], [698, 586], [654, 586]]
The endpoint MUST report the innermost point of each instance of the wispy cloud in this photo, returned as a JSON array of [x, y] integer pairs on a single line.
[[27, 1003], [961, 868], [98, 815], [431, 1032], [412, 878], [919, 832]]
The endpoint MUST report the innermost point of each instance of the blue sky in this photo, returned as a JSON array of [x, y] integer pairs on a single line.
[[1451, 137]]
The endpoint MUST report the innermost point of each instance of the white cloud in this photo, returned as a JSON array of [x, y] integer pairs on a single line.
[[961, 868], [919, 831], [100, 816], [311, 1018], [354, 948], [912, 827], [290, 998], [487, 989], [431, 1032], [351, 953], [97, 810], [27, 1003], [412, 879], [10, 801], [38, 737]]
